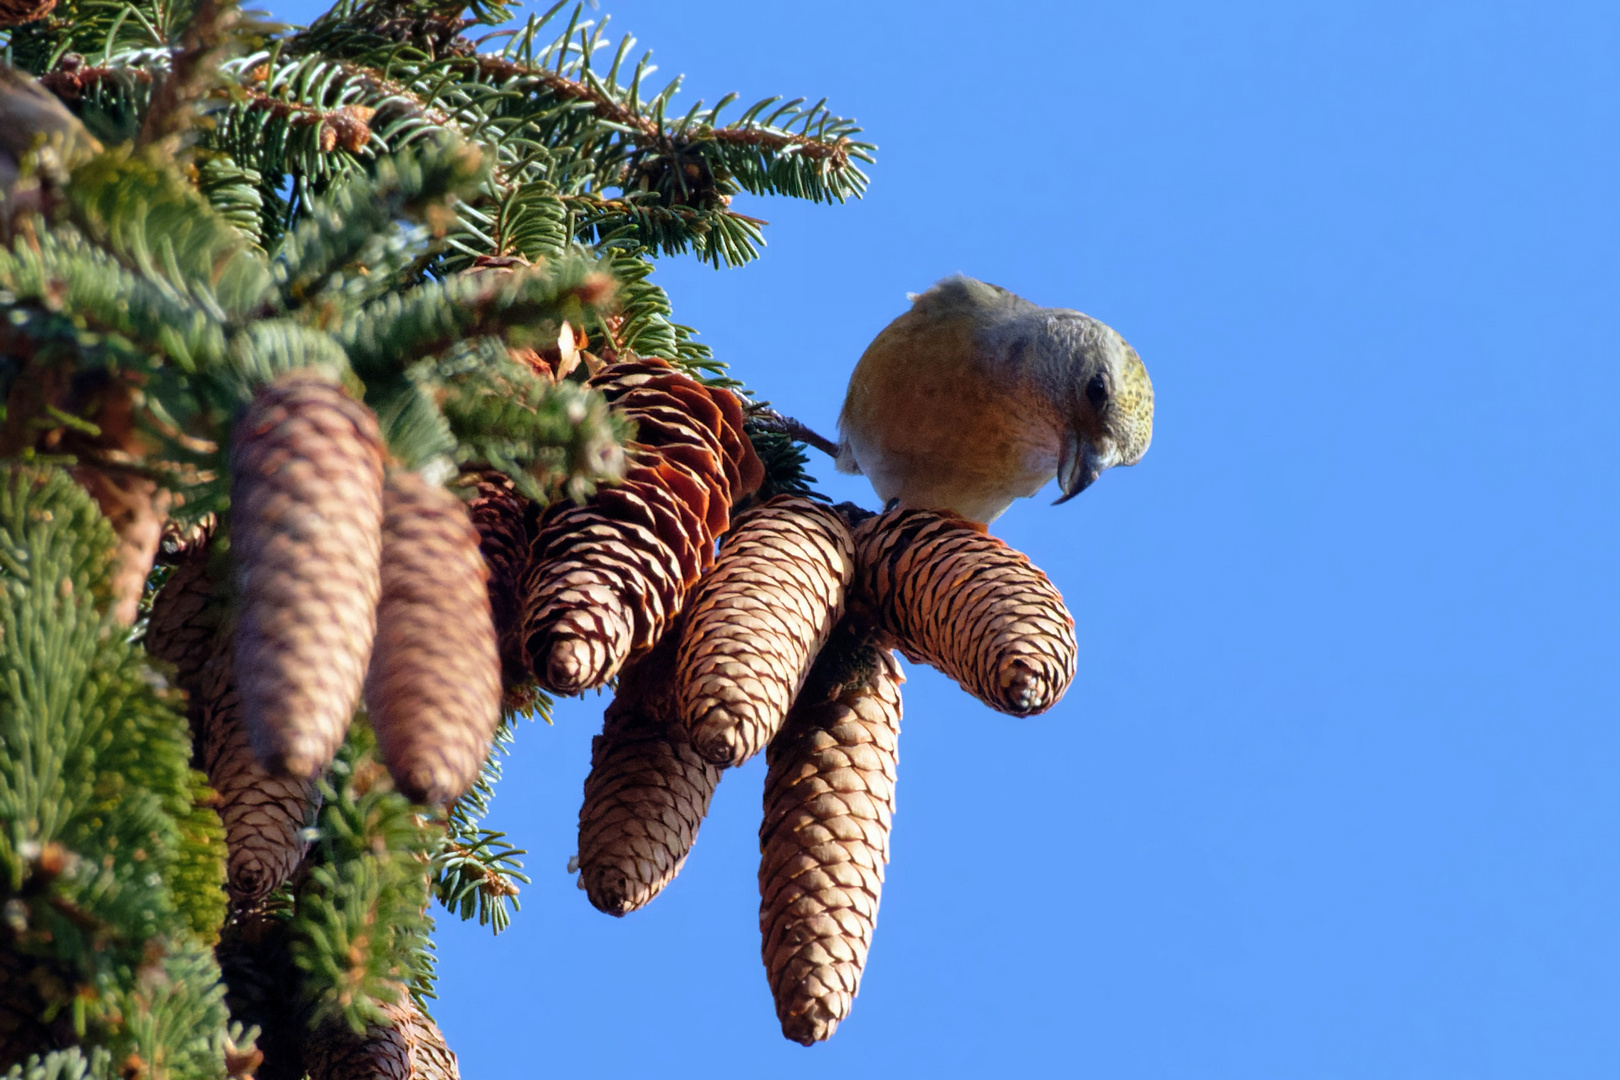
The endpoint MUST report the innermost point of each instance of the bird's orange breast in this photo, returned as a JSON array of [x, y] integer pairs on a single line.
[[933, 423]]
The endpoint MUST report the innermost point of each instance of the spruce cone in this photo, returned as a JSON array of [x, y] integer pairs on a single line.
[[951, 596], [505, 522], [186, 619], [306, 532], [646, 795], [607, 577], [409, 1047], [264, 815], [136, 507], [434, 688], [757, 622], [829, 801]]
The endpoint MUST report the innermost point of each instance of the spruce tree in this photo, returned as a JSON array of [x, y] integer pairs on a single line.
[[332, 370]]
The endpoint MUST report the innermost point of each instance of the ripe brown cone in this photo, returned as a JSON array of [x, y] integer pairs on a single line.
[[433, 689], [264, 815], [646, 795], [951, 596], [306, 534], [136, 508], [409, 1047], [606, 578], [829, 803], [756, 623], [505, 522]]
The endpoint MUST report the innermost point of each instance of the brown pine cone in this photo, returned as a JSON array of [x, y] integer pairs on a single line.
[[756, 623], [638, 387], [187, 618], [433, 690], [954, 597], [264, 815], [409, 1047], [136, 507], [607, 577], [829, 803], [505, 522], [306, 534], [646, 794]]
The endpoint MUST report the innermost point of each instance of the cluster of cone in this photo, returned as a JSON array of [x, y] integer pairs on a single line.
[[780, 640], [774, 630]]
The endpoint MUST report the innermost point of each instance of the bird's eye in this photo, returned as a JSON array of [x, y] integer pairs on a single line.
[[1097, 392]]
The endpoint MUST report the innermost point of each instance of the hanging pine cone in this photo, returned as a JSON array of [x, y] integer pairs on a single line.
[[951, 596], [606, 578], [187, 618], [505, 522], [824, 840], [136, 508], [306, 533], [409, 1047], [264, 815], [433, 690], [756, 623], [646, 795]]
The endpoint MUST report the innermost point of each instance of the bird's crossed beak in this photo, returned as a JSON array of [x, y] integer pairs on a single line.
[[1080, 463]]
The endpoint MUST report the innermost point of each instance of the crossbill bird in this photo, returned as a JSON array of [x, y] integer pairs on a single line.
[[976, 397]]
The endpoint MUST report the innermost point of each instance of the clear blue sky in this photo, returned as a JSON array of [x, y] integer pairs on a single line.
[[1337, 790]]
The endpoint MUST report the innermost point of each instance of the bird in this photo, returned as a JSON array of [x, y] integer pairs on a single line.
[[976, 397]]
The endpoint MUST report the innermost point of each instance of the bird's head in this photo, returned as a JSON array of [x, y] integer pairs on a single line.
[[1107, 405]]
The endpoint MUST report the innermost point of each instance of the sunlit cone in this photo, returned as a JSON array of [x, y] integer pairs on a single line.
[[646, 795], [824, 840], [606, 578], [264, 815], [951, 596], [433, 690], [306, 535], [756, 622], [409, 1047]]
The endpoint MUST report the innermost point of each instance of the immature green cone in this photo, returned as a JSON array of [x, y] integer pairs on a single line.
[[306, 535], [951, 596], [646, 795], [829, 803], [757, 621], [409, 1047], [264, 815], [433, 690]]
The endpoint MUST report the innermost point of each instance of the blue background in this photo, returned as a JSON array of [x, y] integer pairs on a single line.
[[1335, 791]]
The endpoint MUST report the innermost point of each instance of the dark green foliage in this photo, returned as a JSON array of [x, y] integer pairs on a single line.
[[476, 871], [358, 926], [269, 198], [107, 873]]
